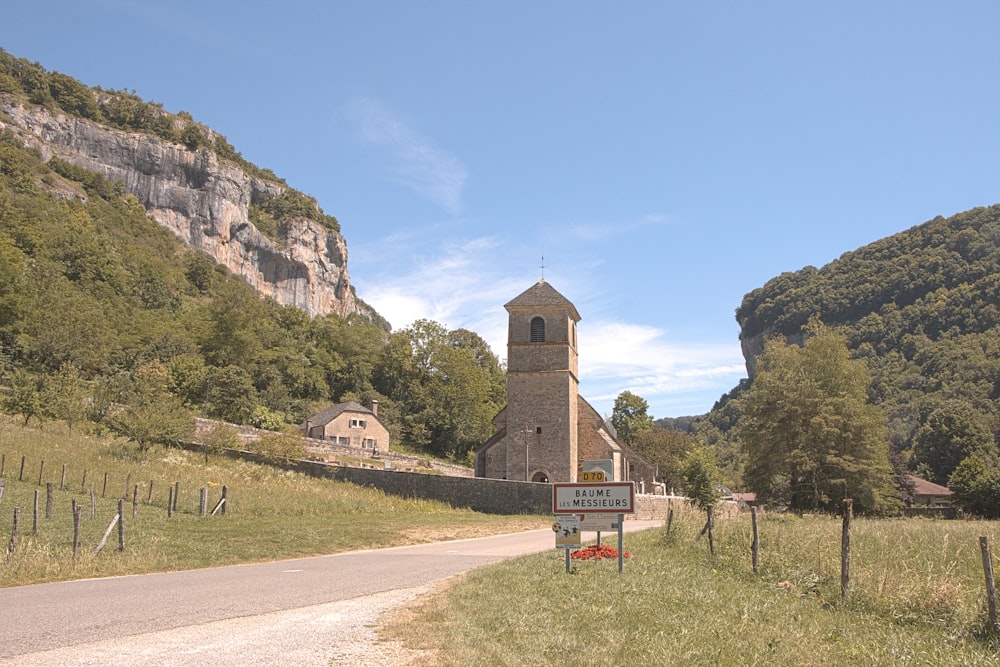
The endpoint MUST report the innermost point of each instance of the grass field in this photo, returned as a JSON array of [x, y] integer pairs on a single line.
[[917, 597], [271, 514]]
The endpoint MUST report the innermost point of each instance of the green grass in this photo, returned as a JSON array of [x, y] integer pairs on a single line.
[[916, 598], [271, 514]]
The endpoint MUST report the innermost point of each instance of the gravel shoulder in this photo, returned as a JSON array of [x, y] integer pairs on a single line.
[[337, 633]]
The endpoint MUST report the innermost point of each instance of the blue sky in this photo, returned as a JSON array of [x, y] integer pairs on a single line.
[[666, 158]]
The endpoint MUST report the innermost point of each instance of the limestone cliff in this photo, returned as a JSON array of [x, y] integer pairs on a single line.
[[204, 201]]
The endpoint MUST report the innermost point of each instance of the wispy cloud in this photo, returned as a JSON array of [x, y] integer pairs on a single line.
[[418, 164], [615, 356], [463, 287]]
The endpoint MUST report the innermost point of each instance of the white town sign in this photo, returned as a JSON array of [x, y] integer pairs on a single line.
[[610, 497]]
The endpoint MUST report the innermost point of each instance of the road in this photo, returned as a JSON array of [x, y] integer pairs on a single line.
[[161, 618]]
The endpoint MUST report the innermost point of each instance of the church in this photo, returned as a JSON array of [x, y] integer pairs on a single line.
[[547, 430]]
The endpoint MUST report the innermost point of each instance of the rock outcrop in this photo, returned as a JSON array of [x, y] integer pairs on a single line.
[[204, 201]]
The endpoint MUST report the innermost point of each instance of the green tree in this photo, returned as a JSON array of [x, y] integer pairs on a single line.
[[665, 448], [952, 432], [25, 397], [976, 485], [64, 395], [630, 416], [700, 476], [810, 436]]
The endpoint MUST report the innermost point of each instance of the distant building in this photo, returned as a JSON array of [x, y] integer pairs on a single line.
[[928, 494], [547, 430], [349, 424]]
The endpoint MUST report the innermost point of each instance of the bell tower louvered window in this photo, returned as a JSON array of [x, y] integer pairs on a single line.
[[537, 330]]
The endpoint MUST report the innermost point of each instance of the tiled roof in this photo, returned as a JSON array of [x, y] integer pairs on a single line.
[[324, 417], [542, 294], [921, 487]]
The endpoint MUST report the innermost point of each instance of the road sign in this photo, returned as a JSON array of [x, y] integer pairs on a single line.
[[607, 465], [610, 497], [567, 530], [601, 523], [592, 476]]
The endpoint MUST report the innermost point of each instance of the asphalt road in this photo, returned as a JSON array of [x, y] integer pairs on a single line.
[[37, 619]]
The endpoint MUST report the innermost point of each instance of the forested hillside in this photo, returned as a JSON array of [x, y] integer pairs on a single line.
[[922, 309], [100, 306]]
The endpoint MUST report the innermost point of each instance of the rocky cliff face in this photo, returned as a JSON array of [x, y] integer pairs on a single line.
[[202, 200]]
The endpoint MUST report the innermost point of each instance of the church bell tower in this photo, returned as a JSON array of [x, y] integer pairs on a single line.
[[542, 386]]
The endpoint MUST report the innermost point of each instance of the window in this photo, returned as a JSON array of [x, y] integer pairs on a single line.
[[369, 443], [537, 330], [342, 440], [357, 423]]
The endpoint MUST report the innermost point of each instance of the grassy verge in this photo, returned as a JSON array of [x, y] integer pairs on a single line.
[[916, 598], [271, 514]]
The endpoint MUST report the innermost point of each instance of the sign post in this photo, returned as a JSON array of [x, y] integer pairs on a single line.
[[567, 530], [592, 499]]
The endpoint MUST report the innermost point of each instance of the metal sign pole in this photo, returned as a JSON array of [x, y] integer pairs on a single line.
[[567, 560], [621, 543]]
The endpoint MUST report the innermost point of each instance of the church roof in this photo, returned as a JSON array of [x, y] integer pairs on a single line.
[[542, 294]]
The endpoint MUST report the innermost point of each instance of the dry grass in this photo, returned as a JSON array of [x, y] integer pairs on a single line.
[[916, 598], [271, 514]]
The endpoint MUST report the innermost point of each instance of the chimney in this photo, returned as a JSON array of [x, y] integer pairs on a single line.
[[375, 407]]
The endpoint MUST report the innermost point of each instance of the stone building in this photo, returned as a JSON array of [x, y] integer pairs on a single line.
[[349, 424], [547, 430]]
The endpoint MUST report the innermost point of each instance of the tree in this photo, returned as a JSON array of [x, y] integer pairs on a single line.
[[700, 475], [25, 397], [952, 432], [63, 395], [665, 448], [976, 485], [810, 436], [630, 417]]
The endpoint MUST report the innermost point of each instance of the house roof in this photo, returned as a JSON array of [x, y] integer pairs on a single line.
[[921, 487], [542, 294], [324, 417]]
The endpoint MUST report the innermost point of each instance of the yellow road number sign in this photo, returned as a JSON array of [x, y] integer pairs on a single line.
[[592, 476]]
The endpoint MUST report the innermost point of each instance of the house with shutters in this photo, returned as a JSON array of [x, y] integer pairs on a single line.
[[349, 424]]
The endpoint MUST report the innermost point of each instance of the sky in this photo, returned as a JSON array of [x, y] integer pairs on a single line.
[[655, 161]]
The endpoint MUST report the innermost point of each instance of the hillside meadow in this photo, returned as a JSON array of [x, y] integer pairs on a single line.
[[270, 514], [917, 597]]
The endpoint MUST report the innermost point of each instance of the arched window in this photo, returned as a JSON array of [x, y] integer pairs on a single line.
[[537, 330]]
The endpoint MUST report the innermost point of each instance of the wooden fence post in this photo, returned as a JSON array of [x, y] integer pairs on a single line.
[[135, 501], [170, 501], [41, 471], [177, 493], [203, 501], [34, 520], [149, 497], [991, 588], [12, 545], [76, 528], [62, 481], [710, 528], [20, 475], [222, 502], [3, 463], [93, 501], [50, 499], [755, 545], [128, 485], [2, 485], [104, 539], [845, 547], [104, 489], [121, 525], [83, 484]]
